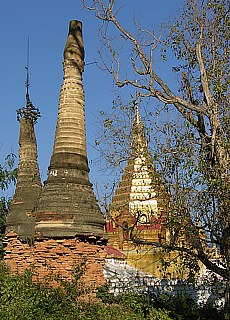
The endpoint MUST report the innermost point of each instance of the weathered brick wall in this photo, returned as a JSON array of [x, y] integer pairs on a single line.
[[50, 257]]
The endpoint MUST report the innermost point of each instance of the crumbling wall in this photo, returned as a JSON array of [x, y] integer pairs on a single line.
[[48, 258]]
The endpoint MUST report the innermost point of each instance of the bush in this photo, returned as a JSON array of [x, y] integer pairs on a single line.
[[22, 299], [183, 307], [178, 307]]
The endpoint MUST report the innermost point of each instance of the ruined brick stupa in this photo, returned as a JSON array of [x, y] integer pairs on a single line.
[[67, 206], [63, 219], [20, 218]]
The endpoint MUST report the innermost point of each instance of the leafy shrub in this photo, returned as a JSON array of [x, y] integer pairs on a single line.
[[183, 307], [22, 299], [178, 307]]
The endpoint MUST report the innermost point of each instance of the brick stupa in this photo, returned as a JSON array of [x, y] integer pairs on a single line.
[[67, 228], [29, 186], [67, 206]]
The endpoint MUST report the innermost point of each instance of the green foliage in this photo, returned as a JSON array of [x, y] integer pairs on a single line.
[[75, 287], [7, 173], [188, 122], [4, 205], [183, 307], [211, 19], [22, 299], [162, 307]]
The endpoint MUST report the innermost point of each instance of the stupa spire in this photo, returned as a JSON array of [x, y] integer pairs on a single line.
[[70, 131], [140, 199], [139, 141], [67, 206], [28, 185], [137, 115]]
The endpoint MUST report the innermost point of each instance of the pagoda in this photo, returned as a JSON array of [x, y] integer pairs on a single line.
[[139, 207], [67, 206], [59, 227], [28, 188]]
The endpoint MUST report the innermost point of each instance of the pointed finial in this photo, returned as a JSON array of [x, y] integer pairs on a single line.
[[27, 83], [29, 111], [138, 117], [138, 132]]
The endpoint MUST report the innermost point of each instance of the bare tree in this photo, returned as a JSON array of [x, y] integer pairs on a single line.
[[199, 39]]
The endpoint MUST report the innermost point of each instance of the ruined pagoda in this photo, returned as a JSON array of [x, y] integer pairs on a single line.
[[28, 187], [67, 206], [65, 227]]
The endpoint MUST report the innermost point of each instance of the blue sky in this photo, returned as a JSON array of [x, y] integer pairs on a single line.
[[46, 24]]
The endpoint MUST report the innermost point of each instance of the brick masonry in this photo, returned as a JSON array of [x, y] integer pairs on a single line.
[[48, 258], [64, 220]]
